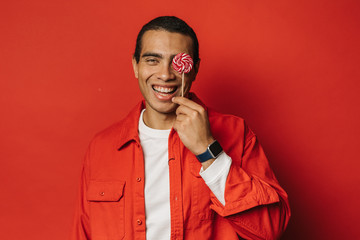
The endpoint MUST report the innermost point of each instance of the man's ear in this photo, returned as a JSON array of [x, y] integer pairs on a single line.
[[135, 67], [196, 66]]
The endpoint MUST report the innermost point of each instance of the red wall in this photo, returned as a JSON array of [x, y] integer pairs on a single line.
[[291, 68]]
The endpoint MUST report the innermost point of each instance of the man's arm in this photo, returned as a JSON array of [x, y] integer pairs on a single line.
[[81, 225], [193, 128], [255, 204]]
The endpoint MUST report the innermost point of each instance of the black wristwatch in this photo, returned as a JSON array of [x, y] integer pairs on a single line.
[[213, 151]]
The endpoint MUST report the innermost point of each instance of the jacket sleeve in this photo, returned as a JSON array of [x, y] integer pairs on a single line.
[[81, 225], [255, 204]]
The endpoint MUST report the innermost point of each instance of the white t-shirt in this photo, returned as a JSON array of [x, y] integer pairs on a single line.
[[154, 143]]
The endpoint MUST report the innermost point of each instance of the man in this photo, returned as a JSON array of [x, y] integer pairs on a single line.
[[160, 174]]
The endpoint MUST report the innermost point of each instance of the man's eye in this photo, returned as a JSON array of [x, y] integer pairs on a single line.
[[151, 60]]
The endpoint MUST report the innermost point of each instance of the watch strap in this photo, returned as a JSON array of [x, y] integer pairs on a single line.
[[208, 154]]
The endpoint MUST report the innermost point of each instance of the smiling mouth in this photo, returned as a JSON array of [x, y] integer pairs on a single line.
[[164, 91]]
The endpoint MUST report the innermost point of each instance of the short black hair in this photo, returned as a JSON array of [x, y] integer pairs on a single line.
[[171, 24]]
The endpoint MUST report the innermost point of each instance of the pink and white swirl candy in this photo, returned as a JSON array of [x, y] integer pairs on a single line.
[[182, 62]]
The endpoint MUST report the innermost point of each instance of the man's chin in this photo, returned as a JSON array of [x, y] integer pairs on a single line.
[[164, 108], [168, 110]]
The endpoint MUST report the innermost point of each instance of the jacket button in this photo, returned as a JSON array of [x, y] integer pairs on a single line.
[[139, 222], [138, 179], [102, 193]]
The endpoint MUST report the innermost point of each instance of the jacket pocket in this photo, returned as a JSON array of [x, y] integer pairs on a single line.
[[107, 205]]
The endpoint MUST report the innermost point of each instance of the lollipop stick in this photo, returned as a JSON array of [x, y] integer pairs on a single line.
[[182, 84]]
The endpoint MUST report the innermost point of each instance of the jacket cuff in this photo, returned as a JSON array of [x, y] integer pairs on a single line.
[[216, 174]]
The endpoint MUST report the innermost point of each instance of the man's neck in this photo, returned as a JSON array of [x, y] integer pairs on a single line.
[[158, 120]]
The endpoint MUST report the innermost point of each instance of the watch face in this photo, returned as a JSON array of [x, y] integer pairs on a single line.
[[215, 148]]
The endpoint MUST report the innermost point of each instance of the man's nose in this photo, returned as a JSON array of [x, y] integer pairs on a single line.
[[166, 73]]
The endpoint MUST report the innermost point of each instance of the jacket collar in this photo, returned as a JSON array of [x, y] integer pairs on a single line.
[[129, 125]]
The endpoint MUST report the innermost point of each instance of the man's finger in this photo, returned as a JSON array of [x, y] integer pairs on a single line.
[[181, 117], [182, 109], [187, 102]]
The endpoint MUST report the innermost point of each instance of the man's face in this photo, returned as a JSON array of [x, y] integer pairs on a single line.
[[158, 81]]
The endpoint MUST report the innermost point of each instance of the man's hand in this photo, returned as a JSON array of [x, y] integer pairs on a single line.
[[192, 125]]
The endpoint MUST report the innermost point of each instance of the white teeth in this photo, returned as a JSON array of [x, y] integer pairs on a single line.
[[162, 94], [163, 89]]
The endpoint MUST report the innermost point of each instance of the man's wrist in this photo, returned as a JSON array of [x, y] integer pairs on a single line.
[[207, 163], [212, 151], [203, 147]]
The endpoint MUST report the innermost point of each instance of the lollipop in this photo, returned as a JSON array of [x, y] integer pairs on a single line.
[[182, 63]]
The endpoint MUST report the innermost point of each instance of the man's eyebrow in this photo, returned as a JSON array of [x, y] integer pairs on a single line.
[[150, 54]]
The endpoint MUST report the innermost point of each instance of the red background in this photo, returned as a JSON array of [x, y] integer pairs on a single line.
[[290, 68]]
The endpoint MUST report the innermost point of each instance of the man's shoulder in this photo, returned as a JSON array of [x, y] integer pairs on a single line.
[[111, 131], [126, 127], [215, 116], [229, 124]]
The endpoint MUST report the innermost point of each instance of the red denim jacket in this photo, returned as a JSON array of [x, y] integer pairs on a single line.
[[112, 207]]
